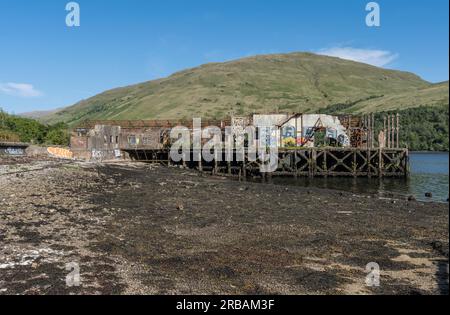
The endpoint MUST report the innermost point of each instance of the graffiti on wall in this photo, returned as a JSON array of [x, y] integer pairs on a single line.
[[97, 154], [60, 153], [267, 136], [100, 155], [14, 151], [288, 134]]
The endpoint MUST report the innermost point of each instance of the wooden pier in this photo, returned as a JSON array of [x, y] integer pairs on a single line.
[[302, 162]]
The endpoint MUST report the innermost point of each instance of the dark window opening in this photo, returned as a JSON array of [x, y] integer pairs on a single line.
[[132, 139]]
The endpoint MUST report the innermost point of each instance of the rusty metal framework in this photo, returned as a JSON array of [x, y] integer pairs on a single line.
[[132, 124]]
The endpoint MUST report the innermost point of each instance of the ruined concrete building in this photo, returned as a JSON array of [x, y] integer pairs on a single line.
[[112, 139], [115, 139]]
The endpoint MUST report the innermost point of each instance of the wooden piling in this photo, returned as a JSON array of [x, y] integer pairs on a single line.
[[393, 131], [380, 162], [311, 162], [398, 130], [389, 131], [200, 166]]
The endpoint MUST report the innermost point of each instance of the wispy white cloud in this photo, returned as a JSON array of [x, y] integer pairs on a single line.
[[24, 90], [379, 58]]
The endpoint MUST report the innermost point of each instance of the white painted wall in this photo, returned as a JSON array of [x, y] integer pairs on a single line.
[[302, 123]]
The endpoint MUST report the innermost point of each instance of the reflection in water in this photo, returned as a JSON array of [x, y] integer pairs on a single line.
[[429, 173]]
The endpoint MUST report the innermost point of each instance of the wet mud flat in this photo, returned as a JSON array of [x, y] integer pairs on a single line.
[[146, 229]]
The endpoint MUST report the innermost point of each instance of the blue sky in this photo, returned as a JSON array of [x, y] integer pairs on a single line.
[[44, 64]]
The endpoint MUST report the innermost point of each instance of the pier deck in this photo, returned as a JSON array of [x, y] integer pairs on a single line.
[[306, 162]]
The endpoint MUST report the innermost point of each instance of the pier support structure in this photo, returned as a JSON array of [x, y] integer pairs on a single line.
[[305, 162]]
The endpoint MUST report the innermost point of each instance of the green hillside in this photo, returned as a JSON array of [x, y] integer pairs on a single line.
[[433, 95], [297, 82]]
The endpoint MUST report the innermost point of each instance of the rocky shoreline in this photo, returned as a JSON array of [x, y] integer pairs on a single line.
[[146, 229]]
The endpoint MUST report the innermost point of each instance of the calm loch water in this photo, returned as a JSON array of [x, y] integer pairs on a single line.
[[429, 173]]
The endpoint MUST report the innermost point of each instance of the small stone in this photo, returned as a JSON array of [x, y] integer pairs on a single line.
[[428, 195], [180, 207], [411, 198]]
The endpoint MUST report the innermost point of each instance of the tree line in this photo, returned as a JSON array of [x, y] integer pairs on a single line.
[[424, 128], [16, 128]]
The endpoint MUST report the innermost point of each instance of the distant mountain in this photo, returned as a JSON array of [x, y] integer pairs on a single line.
[[296, 82], [39, 114]]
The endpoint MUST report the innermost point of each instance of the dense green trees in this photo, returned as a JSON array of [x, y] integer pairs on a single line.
[[421, 129], [425, 128], [32, 131]]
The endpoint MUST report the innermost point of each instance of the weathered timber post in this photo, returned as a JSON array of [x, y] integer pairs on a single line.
[[393, 131], [398, 130], [380, 162], [145, 155], [294, 160], [216, 158], [369, 133], [184, 158], [312, 162], [407, 169], [200, 166], [373, 131], [244, 167], [389, 131], [269, 177]]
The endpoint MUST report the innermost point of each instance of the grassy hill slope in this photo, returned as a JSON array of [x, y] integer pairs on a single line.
[[297, 82], [434, 95]]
